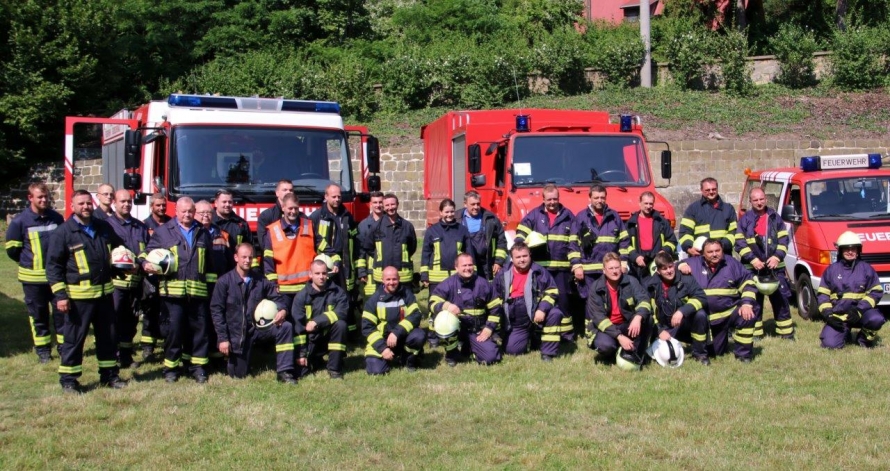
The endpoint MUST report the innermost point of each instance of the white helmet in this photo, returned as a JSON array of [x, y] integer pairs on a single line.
[[326, 259], [667, 353], [446, 324], [766, 284], [628, 361], [699, 243], [847, 239], [653, 268], [535, 239], [123, 258], [264, 314], [162, 260]]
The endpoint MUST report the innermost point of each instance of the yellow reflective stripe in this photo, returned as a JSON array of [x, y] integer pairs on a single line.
[[11, 244], [572, 255], [604, 324], [592, 266], [695, 303], [299, 340], [554, 264], [824, 290], [201, 251], [606, 239], [369, 316], [523, 230], [700, 337], [500, 253], [36, 250], [337, 346], [405, 258], [720, 315], [557, 238], [690, 223], [287, 347], [438, 276], [175, 251], [56, 287], [378, 247], [211, 277], [721, 292], [32, 276], [494, 303], [268, 253], [89, 291], [407, 325], [472, 312], [107, 363], [291, 288], [172, 364], [853, 296], [437, 254], [824, 306], [331, 316], [744, 336], [75, 369], [744, 251], [374, 337], [80, 259]]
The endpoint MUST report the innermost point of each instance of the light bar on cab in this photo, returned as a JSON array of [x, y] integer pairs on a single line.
[[840, 162], [252, 103]]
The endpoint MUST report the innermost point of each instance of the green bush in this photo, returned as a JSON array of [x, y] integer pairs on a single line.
[[689, 52], [857, 61], [616, 52], [560, 57], [732, 49], [793, 47]]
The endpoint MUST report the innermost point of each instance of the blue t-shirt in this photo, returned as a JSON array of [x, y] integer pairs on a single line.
[[474, 224]]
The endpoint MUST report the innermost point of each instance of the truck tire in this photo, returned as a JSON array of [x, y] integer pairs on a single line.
[[806, 298]]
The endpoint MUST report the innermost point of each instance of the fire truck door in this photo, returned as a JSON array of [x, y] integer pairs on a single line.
[[459, 168]]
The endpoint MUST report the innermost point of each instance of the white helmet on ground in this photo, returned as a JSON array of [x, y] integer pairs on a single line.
[[535, 239], [264, 314], [162, 260], [123, 258], [847, 239], [446, 325], [699, 243], [668, 354], [628, 361]]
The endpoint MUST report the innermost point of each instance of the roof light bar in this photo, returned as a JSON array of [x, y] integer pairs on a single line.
[[252, 103], [840, 162]]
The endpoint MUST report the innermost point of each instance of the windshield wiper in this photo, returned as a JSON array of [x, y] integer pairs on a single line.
[[836, 217], [590, 182], [879, 215]]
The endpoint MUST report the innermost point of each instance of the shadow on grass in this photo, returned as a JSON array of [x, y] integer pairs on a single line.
[[15, 336]]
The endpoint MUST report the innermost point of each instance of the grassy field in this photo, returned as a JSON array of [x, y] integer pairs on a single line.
[[796, 406]]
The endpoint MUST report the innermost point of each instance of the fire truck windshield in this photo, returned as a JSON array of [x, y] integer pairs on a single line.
[[579, 159], [844, 199], [252, 160]]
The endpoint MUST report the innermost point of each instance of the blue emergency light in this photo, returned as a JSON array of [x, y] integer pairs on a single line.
[[234, 103], [523, 123], [839, 162], [627, 122]]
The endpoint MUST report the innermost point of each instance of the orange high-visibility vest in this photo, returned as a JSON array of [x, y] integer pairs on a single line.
[[292, 256]]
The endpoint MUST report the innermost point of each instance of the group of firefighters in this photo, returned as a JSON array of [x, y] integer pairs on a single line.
[[590, 275]]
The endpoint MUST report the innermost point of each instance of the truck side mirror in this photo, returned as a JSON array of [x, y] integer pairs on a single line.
[[474, 158], [132, 148], [132, 181], [159, 184], [373, 155], [374, 183], [790, 214], [666, 164], [477, 180]]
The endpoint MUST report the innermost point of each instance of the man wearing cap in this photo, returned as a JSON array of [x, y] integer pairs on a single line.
[[554, 222], [236, 297], [391, 325], [709, 216], [127, 287], [761, 242], [469, 297], [848, 293]]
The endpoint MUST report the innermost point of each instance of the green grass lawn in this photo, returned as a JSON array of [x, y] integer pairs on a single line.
[[796, 406]]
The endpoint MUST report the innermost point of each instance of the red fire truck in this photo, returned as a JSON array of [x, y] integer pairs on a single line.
[[195, 145], [509, 155], [824, 197]]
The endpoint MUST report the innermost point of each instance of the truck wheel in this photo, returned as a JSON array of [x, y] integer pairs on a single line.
[[806, 297]]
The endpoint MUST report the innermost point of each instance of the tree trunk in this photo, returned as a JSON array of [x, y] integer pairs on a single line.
[[840, 14], [740, 19]]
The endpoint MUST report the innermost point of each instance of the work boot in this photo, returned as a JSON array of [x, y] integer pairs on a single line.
[[200, 376], [72, 388], [171, 376], [44, 356], [546, 358], [287, 377], [335, 374], [114, 383]]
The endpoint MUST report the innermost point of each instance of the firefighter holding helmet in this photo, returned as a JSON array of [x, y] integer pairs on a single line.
[[849, 291]]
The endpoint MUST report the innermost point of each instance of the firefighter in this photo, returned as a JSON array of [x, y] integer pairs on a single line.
[[27, 238], [224, 217], [319, 313], [679, 305], [127, 289], [528, 294], [618, 311], [488, 244], [78, 269], [336, 234], [274, 213], [105, 197], [223, 255], [469, 297], [153, 325], [364, 235], [289, 248], [762, 242], [847, 296], [441, 244], [731, 296], [391, 325], [391, 241], [710, 217], [649, 234], [553, 221], [183, 291], [235, 298], [597, 230]]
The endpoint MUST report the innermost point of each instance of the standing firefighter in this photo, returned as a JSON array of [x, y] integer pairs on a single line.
[[235, 300], [391, 242], [528, 294], [442, 243], [78, 269], [470, 298], [152, 320], [183, 289], [289, 248], [709, 217], [127, 289], [366, 244], [848, 294], [488, 244], [27, 239], [547, 230], [319, 313], [336, 235], [679, 305], [273, 214], [649, 234], [762, 242], [391, 325], [224, 216]]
